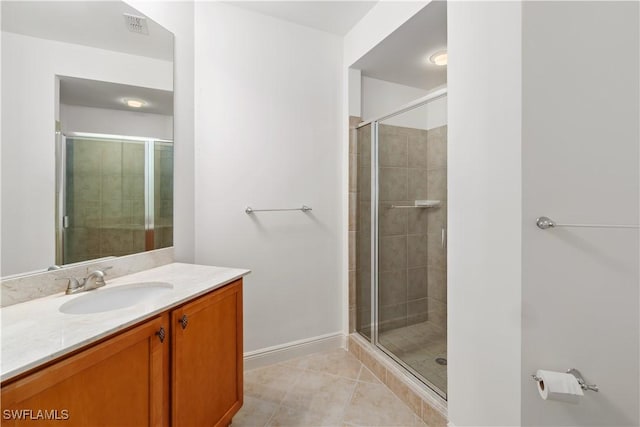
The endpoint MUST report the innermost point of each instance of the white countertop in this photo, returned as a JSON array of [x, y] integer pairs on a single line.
[[36, 332]]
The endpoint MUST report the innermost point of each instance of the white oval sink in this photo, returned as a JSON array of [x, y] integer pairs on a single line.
[[107, 299]]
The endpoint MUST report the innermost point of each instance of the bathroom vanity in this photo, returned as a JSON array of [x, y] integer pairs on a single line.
[[173, 358]]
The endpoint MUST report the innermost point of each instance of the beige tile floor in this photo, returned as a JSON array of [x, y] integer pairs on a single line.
[[418, 346], [323, 389]]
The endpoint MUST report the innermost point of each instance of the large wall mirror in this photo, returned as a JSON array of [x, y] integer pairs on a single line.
[[87, 133]]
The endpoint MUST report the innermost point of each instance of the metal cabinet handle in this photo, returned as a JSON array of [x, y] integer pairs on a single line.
[[184, 321], [161, 334]]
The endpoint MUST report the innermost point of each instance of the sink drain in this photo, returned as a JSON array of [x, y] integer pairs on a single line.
[[441, 361]]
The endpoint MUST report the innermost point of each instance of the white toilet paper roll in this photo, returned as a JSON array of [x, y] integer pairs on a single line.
[[558, 386]]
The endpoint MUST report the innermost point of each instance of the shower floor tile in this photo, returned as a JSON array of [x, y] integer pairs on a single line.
[[419, 346], [323, 389]]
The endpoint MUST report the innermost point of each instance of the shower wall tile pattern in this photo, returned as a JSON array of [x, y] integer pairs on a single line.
[[105, 199], [362, 242], [412, 262], [437, 225], [412, 245], [412, 167], [163, 196]]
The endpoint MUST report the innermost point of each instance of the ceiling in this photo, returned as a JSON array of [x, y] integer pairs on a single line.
[[98, 24], [337, 17], [92, 93], [403, 56]]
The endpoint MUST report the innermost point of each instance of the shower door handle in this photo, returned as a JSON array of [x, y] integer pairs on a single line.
[[443, 241]]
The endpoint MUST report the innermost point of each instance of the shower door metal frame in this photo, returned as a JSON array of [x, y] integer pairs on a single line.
[[61, 168], [375, 189], [375, 177]]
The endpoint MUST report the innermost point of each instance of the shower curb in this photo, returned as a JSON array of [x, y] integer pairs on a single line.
[[427, 405]]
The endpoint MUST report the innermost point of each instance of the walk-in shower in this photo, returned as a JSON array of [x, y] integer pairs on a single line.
[[401, 263], [114, 196]]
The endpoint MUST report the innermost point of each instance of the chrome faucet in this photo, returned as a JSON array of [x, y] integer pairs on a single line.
[[94, 280]]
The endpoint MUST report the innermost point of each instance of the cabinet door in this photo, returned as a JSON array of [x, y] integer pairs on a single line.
[[122, 381], [207, 358]]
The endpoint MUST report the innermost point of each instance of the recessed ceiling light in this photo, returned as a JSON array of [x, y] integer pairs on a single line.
[[135, 103], [439, 58]]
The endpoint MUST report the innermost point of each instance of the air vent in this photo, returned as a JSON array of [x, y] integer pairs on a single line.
[[136, 24]]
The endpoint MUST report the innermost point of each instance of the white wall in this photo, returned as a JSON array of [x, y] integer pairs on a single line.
[[177, 17], [383, 19], [355, 92], [380, 97], [1, 134], [268, 114], [29, 66], [484, 246], [581, 164], [76, 118]]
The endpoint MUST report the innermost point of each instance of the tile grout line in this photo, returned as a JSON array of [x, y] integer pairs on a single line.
[[353, 391], [419, 416], [280, 405], [355, 382]]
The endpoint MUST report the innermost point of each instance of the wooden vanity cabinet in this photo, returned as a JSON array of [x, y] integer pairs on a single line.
[[207, 359], [121, 381], [192, 377]]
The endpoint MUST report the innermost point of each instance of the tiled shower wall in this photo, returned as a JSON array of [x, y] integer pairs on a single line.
[[362, 170], [105, 199], [437, 227], [412, 263], [163, 193]]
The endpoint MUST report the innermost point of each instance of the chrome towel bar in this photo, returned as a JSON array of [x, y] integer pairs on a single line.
[[249, 210], [545, 223]]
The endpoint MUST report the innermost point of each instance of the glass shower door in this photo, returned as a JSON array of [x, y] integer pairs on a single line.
[[117, 197], [411, 240]]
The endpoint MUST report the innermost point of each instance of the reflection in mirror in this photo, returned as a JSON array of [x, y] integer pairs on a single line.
[[116, 196], [114, 169], [87, 135]]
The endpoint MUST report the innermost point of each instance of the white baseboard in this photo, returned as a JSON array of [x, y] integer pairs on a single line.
[[280, 353]]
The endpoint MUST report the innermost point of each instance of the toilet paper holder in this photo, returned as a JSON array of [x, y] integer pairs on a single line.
[[583, 384]]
